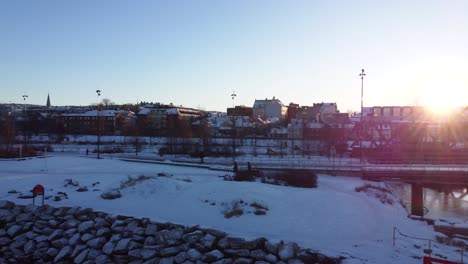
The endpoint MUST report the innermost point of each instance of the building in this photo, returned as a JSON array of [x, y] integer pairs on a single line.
[[110, 122], [167, 120], [240, 111], [269, 109]]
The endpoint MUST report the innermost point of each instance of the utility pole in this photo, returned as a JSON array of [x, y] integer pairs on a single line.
[[24, 118], [362, 74], [98, 92], [233, 96]]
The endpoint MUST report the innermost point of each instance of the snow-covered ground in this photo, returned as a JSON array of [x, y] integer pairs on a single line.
[[333, 218]]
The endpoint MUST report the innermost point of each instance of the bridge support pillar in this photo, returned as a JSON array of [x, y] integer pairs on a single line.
[[417, 201]]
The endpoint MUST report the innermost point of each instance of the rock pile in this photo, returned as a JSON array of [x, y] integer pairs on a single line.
[[30, 234]]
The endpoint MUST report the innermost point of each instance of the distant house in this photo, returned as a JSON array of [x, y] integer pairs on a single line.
[[167, 120], [108, 121], [272, 109], [240, 111]]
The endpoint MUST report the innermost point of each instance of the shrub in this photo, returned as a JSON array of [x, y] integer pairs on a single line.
[[112, 194], [243, 176], [367, 186], [302, 179], [235, 209], [133, 181], [259, 206], [260, 212]]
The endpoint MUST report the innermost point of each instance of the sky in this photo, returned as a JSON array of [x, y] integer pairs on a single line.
[[196, 53]]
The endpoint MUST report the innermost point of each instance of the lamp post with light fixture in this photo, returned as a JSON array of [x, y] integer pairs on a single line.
[[362, 74], [98, 92]]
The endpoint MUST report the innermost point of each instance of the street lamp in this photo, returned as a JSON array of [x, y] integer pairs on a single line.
[[362, 74], [24, 119], [233, 96], [98, 92]]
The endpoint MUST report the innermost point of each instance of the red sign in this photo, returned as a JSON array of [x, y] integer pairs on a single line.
[[38, 190]]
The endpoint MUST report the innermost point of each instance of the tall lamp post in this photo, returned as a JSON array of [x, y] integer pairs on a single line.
[[233, 96], [24, 119], [98, 92], [362, 74]]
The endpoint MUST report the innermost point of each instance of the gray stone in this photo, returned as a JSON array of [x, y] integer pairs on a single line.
[[214, 255], [116, 238], [14, 230], [295, 261], [120, 259], [271, 258], [75, 239], [41, 238], [261, 262], [139, 231], [223, 243], [47, 231], [214, 232], [17, 253], [148, 253], [19, 242], [96, 243], [4, 241], [60, 243], [100, 222], [39, 253], [71, 223], [93, 254], [86, 237], [51, 252], [56, 234], [82, 256], [208, 241], [242, 261], [192, 237], [169, 260], [70, 232], [4, 204], [122, 245], [31, 235], [85, 226], [235, 242], [170, 251], [193, 254], [223, 261], [23, 217], [181, 257], [103, 259], [238, 252], [151, 229], [6, 215], [103, 231], [64, 253], [287, 251], [53, 223], [272, 248], [77, 250], [135, 253], [44, 244], [175, 234], [108, 248], [258, 254], [152, 261], [29, 247]]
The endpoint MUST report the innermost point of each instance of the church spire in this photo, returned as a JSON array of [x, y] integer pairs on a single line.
[[48, 101]]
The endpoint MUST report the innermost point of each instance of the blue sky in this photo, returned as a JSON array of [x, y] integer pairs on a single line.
[[195, 53]]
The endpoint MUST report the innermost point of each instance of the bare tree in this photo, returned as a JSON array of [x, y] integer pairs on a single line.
[[107, 102]]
